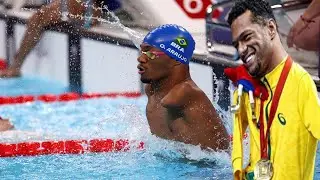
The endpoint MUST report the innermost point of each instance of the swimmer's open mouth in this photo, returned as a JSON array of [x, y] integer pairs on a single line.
[[141, 69]]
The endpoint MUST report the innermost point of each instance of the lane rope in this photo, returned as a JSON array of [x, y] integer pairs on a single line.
[[69, 96], [68, 147]]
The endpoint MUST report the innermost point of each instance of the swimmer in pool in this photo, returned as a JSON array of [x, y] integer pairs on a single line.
[[177, 108]]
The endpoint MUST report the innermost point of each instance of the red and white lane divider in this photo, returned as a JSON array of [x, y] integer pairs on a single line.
[[68, 147], [70, 96]]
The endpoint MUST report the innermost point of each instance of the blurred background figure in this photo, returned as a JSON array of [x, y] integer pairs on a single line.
[[18, 4], [80, 13], [305, 32]]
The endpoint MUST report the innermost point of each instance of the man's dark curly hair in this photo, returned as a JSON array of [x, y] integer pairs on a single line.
[[260, 9]]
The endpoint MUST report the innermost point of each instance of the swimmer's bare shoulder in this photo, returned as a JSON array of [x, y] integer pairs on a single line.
[[181, 95], [188, 97]]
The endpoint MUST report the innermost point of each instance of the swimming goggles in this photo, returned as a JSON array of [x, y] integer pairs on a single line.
[[152, 54]]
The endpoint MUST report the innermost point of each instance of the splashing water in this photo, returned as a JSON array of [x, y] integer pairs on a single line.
[[168, 149], [113, 20], [134, 36], [122, 118]]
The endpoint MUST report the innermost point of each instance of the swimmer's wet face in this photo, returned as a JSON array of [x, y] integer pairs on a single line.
[[154, 64], [252, 34]]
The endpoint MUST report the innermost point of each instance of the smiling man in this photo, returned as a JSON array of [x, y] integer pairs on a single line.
[[283, 138], [177, 108]]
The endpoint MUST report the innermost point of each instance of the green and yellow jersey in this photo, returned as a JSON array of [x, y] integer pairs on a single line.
[[294, 131]]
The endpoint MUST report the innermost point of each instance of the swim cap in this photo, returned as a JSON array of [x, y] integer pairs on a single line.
[[173, 40]]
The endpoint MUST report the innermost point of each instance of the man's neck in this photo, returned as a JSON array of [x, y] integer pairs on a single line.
[[165, 85]]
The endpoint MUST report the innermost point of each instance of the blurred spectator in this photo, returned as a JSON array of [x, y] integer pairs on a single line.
[[17, 4], [53, 13], [305, 33]]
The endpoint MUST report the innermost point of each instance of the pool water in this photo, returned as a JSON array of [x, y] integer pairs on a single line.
[[104, 118], [30, 85], [108, 166]]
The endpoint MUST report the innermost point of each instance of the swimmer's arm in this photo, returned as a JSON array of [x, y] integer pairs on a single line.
[[45, 16], [181, 131], [178, 97]]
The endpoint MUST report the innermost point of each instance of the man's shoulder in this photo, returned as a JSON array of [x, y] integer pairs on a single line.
[[187, 87], [301, 77], [298, 70], [300, 74], [181, 94]]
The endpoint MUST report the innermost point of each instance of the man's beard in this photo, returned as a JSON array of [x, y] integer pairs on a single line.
[[146, 81], [255, 73]]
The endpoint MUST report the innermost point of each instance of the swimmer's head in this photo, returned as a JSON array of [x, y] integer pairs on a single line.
[[165, 51], [175, 41]]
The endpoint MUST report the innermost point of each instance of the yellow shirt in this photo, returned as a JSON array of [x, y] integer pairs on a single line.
[[294, 131]]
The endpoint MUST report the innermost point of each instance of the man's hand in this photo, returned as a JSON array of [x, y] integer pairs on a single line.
[[5, 125]]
